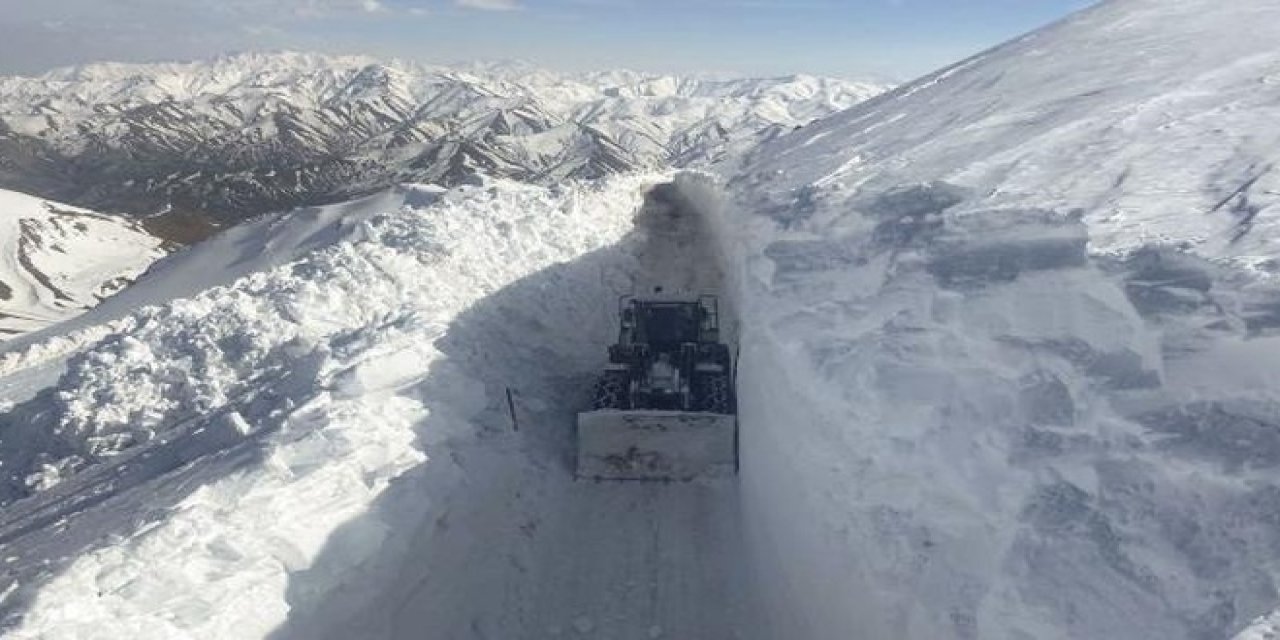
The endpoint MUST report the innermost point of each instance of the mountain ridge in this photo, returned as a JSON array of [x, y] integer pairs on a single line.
[[240, 135]]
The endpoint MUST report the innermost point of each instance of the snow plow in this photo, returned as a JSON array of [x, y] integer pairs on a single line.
[[664, 408]]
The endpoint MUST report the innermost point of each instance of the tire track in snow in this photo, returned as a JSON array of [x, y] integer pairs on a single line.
[[644, 560]]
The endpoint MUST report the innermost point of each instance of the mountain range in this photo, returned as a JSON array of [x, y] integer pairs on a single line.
[[233, 137]]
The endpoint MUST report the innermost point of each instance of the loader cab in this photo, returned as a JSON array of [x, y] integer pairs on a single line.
[[664, 324]]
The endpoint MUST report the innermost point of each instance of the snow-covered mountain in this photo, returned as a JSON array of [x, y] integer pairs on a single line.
[[1008, 341], [244, 134], [57, 260], [1015, 328]]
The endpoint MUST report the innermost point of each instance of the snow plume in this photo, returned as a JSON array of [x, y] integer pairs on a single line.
[[330, 369]]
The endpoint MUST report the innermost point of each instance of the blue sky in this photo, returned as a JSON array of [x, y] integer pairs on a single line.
[[896, 39]]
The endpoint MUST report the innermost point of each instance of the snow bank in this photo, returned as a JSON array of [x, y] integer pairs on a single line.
[[1009, 340], [520, 548], [258, 245], [956, 424], [999, 376], [332, 367]]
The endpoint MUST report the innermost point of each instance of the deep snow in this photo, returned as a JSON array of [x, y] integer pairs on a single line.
[[1010, 334], [1007, 371], [298, 434]]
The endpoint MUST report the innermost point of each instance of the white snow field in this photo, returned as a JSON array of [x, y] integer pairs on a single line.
[[1008, 342], [57, 260]]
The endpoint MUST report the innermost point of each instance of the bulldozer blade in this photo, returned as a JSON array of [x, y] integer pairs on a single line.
[[656, 445]]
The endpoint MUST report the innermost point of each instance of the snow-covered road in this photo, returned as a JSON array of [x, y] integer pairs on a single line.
[[526, 551], [384, 492], [563, 559]]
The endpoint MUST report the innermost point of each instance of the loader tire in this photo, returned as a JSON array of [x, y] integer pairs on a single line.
[[714, 394], [611, 392]]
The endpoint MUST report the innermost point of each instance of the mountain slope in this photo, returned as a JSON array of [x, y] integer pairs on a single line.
[[241, 135], [1010, 366], [1153, 128], [57, 260]]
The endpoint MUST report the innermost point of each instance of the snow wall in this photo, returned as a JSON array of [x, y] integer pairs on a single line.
[[957, 423]]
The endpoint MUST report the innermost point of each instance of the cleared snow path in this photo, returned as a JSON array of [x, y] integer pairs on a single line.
[[522, 550], [324, 449]]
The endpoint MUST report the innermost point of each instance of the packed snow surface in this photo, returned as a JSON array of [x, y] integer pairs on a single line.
[[57, 260]]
